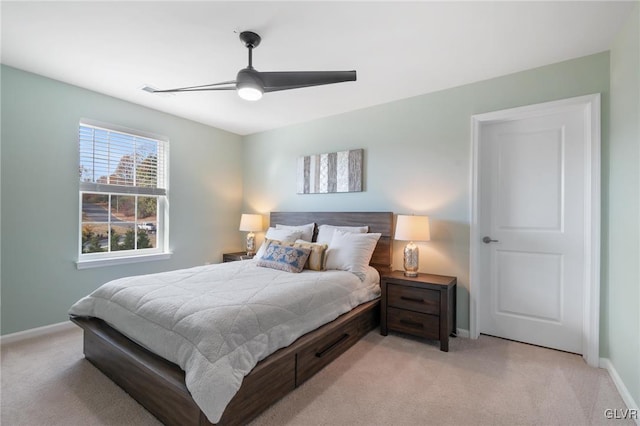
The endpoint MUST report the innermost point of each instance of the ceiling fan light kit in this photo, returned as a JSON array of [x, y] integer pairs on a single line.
[[250, 93], [251, 84]]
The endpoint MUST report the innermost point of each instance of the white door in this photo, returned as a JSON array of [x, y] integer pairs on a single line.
[[532, 200]]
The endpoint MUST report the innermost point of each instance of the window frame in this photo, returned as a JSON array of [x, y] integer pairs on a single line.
[[161, 251]]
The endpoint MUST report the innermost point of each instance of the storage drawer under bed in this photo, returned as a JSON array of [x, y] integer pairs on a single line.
[[312, 358]]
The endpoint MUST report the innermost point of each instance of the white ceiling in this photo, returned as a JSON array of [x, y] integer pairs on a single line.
[[399, 49]]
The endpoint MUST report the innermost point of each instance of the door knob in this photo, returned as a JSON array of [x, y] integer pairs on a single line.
[[488, 240]]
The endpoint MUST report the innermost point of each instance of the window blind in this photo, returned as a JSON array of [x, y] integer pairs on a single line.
[[113, 161]]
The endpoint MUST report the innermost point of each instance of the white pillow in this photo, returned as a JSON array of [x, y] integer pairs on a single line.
[[325, 232], [306, 230], [287, 235], [351, 252]]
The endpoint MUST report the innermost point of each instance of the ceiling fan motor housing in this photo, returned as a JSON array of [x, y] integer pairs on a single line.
[[249, 84], [249, 77]]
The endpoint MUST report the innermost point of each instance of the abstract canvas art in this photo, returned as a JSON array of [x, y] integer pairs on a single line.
[[333, 172]]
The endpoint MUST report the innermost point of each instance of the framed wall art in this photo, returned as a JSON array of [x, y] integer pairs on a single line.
[[329, 173]]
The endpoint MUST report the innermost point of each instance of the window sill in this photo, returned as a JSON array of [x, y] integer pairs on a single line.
[[97, 263]]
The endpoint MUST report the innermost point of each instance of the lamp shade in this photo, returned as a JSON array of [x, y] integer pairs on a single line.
[[251, 222], [412, 228]]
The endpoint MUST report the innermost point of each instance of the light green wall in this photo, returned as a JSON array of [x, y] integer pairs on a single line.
[[417, 156], [621, 321], [39, 184]]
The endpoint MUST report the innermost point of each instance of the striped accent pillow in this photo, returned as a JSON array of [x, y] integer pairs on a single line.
[[317, 257]]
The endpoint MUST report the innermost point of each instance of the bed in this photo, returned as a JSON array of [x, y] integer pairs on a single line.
[[159, 385]]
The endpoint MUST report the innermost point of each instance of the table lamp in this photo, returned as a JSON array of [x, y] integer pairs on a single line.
[[251, 223], [412, 228]]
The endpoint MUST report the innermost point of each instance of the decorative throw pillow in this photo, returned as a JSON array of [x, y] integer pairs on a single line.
[[351, 252], [279, 235], [305, 230], [316, 261], [284, 258], [325, 232]]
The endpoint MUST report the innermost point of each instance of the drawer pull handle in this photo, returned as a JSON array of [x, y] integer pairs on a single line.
[[324, 351], [412, 299], [412, 323]]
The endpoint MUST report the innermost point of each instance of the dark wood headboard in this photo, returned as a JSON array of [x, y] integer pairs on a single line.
[[381, 222]]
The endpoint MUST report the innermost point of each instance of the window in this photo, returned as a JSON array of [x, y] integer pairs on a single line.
[[123, 196]]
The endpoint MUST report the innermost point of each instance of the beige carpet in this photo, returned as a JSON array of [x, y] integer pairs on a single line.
[[389, 380]]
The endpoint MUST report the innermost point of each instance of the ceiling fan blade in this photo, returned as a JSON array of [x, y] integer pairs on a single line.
[[214, 86], [285, 80]]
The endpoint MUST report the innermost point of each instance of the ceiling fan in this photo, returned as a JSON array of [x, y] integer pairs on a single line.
[[251, 83]]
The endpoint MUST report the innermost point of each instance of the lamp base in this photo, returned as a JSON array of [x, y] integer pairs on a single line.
[[411, 260], [251, 244]]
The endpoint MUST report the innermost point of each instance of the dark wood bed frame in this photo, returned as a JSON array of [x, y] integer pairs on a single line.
[[159, 385]]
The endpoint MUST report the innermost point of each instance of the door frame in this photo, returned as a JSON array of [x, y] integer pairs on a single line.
[[591, 285]]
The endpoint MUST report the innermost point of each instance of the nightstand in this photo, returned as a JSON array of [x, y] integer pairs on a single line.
[[239, 255], [423, 306]]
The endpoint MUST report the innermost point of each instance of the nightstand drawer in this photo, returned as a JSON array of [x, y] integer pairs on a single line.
[[415, 323], [415, 299]]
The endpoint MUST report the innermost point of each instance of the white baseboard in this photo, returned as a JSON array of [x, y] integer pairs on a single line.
[[624, 392], [461, 332], [36, 332]]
